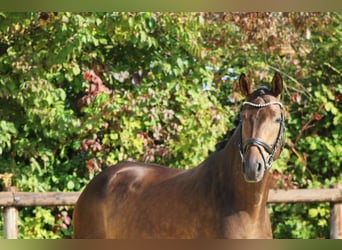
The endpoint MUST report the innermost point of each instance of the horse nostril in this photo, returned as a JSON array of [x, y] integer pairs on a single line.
[[259, 169]]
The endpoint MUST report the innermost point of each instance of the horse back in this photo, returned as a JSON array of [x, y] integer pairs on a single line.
[[102, 203]]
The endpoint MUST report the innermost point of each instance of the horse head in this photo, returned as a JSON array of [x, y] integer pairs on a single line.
[[261, 127]]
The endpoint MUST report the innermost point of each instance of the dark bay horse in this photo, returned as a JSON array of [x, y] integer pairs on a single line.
[[224, 197]]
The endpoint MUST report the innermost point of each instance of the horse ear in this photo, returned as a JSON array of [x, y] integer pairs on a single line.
[[277, 84], [245, 86]]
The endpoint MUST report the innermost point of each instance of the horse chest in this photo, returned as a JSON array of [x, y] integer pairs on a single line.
[[241, 225]]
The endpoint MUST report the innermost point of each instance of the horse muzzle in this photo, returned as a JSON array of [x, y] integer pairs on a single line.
[[253, 164]]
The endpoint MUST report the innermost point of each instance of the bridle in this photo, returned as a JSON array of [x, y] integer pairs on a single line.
[[260, 143]]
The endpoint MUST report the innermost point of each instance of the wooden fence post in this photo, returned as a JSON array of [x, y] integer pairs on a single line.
[[10, 214], [336, 219]]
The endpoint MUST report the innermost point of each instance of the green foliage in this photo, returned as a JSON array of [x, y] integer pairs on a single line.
[[300, 221], [80, 91]]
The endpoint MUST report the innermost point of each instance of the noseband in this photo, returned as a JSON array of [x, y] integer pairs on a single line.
[[260, 143]]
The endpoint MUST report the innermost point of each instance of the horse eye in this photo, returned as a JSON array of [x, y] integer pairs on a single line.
[[278, 119]]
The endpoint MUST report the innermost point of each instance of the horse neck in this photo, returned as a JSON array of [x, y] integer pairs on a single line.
[[235, 192]]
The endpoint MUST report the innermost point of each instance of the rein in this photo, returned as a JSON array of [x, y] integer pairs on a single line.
[[260, 143]]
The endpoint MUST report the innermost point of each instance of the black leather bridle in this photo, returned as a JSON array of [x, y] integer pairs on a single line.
[[260, 143]]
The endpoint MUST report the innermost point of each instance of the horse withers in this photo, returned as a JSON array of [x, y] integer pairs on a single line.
[[223, 197]]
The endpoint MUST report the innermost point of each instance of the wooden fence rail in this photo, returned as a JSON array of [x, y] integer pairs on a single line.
[[11, 200]]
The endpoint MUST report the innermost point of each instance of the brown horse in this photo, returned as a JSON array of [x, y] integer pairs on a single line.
[[224, 197]]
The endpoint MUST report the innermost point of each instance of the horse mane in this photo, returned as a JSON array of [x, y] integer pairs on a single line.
[[226, 137]]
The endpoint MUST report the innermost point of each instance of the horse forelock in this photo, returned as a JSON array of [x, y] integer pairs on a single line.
[[260, 95]]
